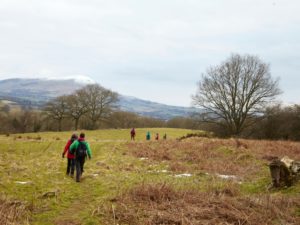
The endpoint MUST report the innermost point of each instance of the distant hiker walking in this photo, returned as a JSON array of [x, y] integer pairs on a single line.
[[81, 149], [157, 136], [132, 134], [165, 136], [148, 136], [70, 156]]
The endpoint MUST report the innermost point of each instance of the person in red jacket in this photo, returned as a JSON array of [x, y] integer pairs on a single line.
[[132, 134], [70, 156]]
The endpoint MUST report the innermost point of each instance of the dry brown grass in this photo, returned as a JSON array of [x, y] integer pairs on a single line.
[[265, 149], [67, 222], [244, 158], [12, 212], [162, 204]]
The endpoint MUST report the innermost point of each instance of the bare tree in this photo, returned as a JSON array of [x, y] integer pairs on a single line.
[[235, 91], [56, 109], [100, 102], [76, 106]]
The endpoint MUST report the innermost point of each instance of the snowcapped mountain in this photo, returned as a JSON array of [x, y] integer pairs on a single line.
[[39, 89], [36, 92]]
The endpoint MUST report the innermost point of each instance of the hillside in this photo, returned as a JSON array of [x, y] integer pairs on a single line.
[[153, 109], [35, 92], [209, 181]]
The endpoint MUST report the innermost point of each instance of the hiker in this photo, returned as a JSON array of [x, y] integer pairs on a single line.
[[81, 149], [165, 136], [70, 156], [148, 136], [157, 136], [132, 133]]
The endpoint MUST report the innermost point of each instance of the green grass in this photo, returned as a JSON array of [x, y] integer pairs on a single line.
[[36, 158]]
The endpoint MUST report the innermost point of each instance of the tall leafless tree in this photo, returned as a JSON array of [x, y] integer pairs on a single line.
[[56, 109], [235, 91], [100, 102]]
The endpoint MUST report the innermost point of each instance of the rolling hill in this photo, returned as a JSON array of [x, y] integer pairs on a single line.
[[36, 92]]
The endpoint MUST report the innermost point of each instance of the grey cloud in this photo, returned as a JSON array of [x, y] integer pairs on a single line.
[[126, 44]]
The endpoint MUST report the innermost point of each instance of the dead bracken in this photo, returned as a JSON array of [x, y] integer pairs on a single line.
[[215, 156], [12, 212], [163, 204]]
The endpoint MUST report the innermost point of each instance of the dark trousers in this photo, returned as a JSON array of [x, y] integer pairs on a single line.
[[70, 166], [79, 162]]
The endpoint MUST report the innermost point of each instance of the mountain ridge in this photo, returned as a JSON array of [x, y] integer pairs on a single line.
[[36, 92]]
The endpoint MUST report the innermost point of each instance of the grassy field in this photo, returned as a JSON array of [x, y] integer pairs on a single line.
[[192, 181]]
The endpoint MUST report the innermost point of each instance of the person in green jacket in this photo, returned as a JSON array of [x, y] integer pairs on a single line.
[[148, 136], [81, 149]]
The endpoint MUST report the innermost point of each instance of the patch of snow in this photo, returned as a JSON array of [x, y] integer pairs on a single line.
[[183, 175], [162, 171], [227, 177], [23, 182], [84, 79], [77, 78], [143, 158], [158, 171]]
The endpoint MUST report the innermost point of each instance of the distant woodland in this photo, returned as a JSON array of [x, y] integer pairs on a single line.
[[277, 122]]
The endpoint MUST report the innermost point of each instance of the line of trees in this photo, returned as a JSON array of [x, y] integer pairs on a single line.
[[26, 120], [277, 122]]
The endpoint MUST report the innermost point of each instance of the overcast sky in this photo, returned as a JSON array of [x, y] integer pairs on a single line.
[[150, 49]]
